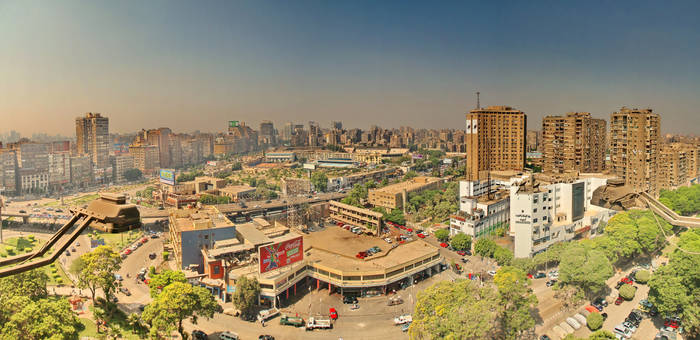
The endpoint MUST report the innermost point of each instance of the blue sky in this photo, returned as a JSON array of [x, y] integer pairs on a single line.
[[195, 65]]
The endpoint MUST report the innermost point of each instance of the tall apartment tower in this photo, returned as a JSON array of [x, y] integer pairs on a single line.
[[267, 133], [635, 147], [495, 140], [574, 142], [92, 138]]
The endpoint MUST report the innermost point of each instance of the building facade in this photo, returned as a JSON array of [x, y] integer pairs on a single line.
[[635, 148], [122, 163], [146, 158], [574, 142], [393, 196], [92, 138], [495, 140]]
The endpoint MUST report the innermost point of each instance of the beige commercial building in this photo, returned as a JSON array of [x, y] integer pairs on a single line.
[[92, 138], [635, 148], [393, 196], [495, 140], [574, 142], [356, 216], [146, 158]]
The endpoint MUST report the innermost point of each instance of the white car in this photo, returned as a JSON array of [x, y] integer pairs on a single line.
[[573, 323], [491, 272], [388, 240]]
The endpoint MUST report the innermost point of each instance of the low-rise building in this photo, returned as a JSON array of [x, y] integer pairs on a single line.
[[280, 157], [194, 229], [237, 192], [81, 174], [542, 214], [356, 216], [393, 196], [481, 215], [59, 170], [348, 181]]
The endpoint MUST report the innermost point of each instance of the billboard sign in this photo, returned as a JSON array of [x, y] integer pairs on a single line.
[[281, 254], [232, 123], [167, 176], [309, 166]]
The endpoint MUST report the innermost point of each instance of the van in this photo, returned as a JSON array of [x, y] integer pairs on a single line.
[[228, 336]]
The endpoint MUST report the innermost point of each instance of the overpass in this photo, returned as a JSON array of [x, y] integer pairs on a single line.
[[667, 214], [25, 217]]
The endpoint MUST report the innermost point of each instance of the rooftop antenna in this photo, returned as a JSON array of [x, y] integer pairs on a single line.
[[478, 105]]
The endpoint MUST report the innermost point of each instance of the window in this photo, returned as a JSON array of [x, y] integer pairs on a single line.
[[217, 269]]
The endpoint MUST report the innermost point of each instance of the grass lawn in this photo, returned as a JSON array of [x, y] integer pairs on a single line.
[[74, 201], [89, 328], [117, 318], [119, 240], [23, 242]]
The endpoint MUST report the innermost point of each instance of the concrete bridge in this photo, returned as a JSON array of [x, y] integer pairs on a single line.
[[667, 214]]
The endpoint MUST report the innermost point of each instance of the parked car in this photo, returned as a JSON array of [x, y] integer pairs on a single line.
[[349, 299], [333, 313], [125, 291], [444, 245], [491, 272], [540, 275], [551, 283], [266, 337], [420, 235], [228, 336], [152, 256], [619, 300], [462, 253], [199, 335]]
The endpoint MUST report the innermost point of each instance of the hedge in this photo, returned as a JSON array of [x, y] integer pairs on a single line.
[[642, 276], [594, 321], [627, 292]]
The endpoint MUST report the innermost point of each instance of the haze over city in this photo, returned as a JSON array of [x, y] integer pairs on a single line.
[[192, 66]]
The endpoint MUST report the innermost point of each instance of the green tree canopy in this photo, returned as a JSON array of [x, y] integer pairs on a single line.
[[176, 302], [96, 270], [485, 247], [461, 242], [319, 180], [585, 268], [684, 200], [642, 276], [246, 294], [594, 321], [132, 174], [159, 281], [602, 335], [517, 301], [460, 310], [211, 199], [442, 235], [627, 292]]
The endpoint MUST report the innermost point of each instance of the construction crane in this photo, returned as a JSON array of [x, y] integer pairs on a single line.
[[110, 213]]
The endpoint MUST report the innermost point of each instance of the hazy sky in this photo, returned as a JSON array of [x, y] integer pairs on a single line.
[[196, 64]]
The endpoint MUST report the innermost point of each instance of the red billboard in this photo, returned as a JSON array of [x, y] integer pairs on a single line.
[[278, 255]]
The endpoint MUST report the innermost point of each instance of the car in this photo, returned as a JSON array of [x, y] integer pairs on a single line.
[[199, 335], [601, 301], [72, 249], [619, 300], [491, 272], [22, 211], [551, 283], [387, 240], [672, 322], [67, 252], [630, 325], [619, 284], [266, 337], [540, 275], [125, 291], [443, 244], [77, 244], [465, 260], [333, 313], [622, 331], [545, 337], [462, 253], [127, 251], [420, 235], [118, 277], [349, 299], [627, 280], [144, 240], [152, 256], [604, 315], [59, 210]]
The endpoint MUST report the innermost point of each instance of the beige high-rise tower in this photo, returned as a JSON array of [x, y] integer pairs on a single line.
[[92, 138], [635, 147], [575, 142], [495, 140]]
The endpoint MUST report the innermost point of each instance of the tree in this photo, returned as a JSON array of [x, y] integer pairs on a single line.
[[159, 281], [602, 335], [459, 310], [319, 180], [178, 301], [442, 235], [132, 174], [97, 270], [594, 321], [396, 216], [485, 247], [246, 294], [635, 232], [503, 256], [27, 312], [516, 302], [461, 242], [585, 268], [642, 276], [236, 166], [627, 292], [409, 175]]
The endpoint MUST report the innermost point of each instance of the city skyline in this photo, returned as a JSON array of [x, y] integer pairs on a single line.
[[193, 67]]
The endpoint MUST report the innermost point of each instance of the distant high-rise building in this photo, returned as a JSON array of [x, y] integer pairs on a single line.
[[267, 133], [287, 131], [635, 146], [145, 158], [314, 134], [92, 138], [495, 140], [574, 142], [160, 138], [337, 125]]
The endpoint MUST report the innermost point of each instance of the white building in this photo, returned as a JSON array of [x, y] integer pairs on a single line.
[[543, 214], [59, 169], [481, 215]]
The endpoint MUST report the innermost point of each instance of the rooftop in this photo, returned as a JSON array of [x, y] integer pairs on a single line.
[[189, 219], [408, 185], [235, 189]]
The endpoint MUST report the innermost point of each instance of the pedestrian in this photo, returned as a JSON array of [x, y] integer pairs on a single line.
[[263, 322]]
